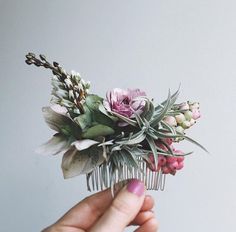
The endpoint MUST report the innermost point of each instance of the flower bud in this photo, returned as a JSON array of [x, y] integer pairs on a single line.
[[170, 120], [188, 115], [165, 170], [171, 159], [196, 114], [180, 118], [179, 129], [184, 106], [174, 165], [161, 160], [68, 82], [168, 141], [195, 105], [151, 163], [192, 121], [186, 124], [180, 166], [180, 159], [173, 172]]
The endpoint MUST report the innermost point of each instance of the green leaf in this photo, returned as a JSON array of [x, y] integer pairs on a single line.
[[84, 120], [84, 144], [174, 136], [152, 145], [129, 160], [125, 119], [168, 127], [98, 130], [139, 120], [58, 143], [196, 143], [93, 101], [134, 139], [104, 111], [76, 162], [173, 99], [158, 117], [148, 109], [173, 154], [136, 151], [61, 123], [101, 118]]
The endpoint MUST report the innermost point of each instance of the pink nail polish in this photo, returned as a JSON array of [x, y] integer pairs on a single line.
[[135, 186]]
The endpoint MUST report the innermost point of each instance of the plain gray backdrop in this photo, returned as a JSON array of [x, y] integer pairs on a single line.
[[152, 45]]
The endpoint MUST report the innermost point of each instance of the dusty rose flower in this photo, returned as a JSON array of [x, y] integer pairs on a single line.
[[125, 102]]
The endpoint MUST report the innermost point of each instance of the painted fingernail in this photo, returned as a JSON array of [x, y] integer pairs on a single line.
[[136, 186]]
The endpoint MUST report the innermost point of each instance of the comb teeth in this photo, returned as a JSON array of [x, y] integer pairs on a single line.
[[100, 178]]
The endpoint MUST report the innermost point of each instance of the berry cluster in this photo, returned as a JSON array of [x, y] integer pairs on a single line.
[[187, 116], [167, 164]]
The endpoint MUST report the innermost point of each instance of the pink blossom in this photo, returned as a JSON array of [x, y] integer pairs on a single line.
[[125, 102]]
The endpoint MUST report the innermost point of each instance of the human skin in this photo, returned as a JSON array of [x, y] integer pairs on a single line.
[[103, 213]]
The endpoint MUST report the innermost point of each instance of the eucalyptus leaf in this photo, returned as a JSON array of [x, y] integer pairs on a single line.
[[93, 101], [61, 122], [98, 130], [76, 162], [104, 111], [101, 118], [84, 120]]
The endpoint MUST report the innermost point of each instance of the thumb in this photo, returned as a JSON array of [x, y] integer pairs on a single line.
[[123, 209]]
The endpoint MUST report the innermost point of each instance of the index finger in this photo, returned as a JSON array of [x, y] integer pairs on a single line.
[[86, 213]]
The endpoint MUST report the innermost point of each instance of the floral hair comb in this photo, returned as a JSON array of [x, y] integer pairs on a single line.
[[114, 139]]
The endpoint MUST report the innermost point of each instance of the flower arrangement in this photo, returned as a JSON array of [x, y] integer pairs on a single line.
[[117, 138]]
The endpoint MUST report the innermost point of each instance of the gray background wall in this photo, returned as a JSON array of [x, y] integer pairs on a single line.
[[153, 45]]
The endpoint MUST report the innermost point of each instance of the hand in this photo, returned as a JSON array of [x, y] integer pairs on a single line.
[[101, 213]]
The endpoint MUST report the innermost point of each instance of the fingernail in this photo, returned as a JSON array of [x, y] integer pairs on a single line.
[[135, 186]]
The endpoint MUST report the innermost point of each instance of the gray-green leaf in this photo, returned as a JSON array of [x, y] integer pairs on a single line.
[[58, 143], [76, 162], [98, 130]]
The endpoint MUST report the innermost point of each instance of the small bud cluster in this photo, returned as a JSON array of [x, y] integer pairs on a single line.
[[69, 90], [187, 116], [71, 93]]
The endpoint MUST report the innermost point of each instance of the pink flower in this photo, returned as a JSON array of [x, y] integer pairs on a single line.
[[125, 102]]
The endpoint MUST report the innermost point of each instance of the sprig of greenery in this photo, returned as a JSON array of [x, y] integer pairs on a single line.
[[69, 89]]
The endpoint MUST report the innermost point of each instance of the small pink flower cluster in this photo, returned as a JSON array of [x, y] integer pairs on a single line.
[[167, 164]]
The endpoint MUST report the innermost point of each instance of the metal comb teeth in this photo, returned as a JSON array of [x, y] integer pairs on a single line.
[[100, 178]]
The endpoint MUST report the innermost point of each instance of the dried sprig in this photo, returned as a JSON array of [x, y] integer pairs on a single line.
[[69, 90]]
